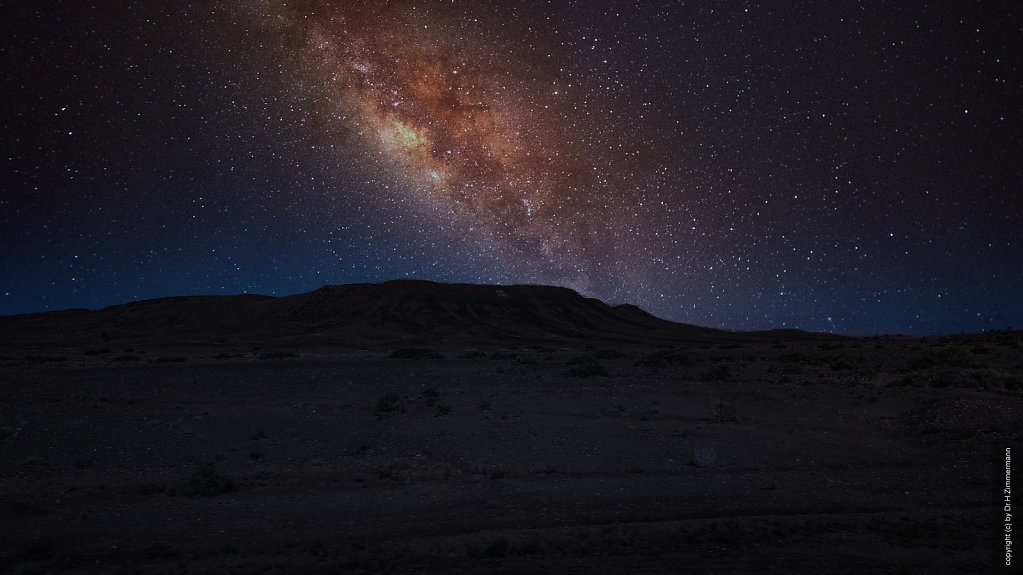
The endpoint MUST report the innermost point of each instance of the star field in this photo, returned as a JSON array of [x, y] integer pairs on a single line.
[[851, 167]]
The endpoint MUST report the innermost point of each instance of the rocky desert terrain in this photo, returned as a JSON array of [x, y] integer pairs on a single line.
[[865, 455], [780, 452]]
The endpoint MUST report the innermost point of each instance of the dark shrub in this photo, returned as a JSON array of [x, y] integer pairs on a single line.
[[606, 354], [430, 396], [724, 412], [415, 353], [43, 358], [588, 370], [794, 357], [37, 551], [389, 402], [940, 358], [842, 362], [277, 355], [716, 373], [205, 482], [498, 548], [667, 358], [954, 378]]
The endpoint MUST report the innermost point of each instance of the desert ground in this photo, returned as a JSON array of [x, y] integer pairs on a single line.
[[871, 455]]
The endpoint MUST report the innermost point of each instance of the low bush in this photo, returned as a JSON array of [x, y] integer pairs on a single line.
[[415, 353], [204, 482], [724, 412], [716, 373], [389, 402], [667, 358], [940, 358], [704, 456], [842, 362], [277, 355], [588, 370]]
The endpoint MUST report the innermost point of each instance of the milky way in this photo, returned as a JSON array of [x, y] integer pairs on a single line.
[[474, 122]]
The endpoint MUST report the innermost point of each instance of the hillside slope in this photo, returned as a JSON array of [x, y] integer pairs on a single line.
[[408, 312]]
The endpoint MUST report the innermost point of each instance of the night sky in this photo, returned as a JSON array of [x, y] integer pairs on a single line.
[[849, 166]]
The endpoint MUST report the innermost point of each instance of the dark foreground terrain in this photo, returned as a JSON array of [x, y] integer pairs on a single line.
[[868, 455]]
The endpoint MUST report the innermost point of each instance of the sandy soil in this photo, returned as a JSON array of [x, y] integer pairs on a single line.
[[873, 455]]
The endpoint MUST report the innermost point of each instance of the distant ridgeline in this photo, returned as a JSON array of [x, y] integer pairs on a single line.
[[367, 315]]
